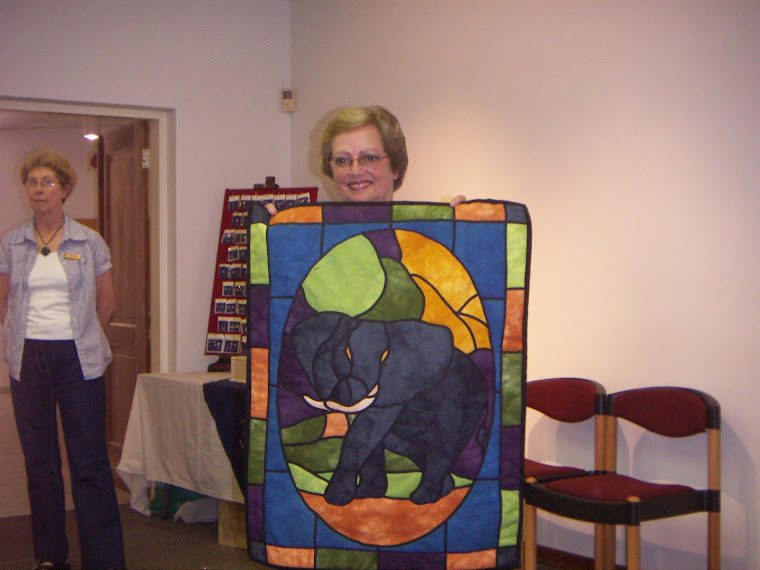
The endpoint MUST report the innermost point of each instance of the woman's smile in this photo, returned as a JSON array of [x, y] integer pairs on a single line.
[[372, 181]]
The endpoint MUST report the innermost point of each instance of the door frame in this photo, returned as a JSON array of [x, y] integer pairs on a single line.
[[161, 208]]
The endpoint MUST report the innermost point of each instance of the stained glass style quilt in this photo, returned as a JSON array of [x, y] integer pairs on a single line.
[[386, 368]]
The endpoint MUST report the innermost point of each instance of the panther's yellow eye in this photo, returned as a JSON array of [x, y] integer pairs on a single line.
[[348, 353], [384, 356]]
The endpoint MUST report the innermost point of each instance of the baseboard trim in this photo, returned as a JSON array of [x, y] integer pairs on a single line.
[[564, 560]]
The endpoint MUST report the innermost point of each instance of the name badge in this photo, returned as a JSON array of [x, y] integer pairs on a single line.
[[72, 256]]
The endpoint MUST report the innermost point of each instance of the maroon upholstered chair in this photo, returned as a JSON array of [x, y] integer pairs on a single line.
[[617, 499], [568, 400]]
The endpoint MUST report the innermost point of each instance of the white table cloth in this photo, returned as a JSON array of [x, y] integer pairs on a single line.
[[172, 438]]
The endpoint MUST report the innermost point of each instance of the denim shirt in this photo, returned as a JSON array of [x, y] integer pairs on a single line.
[[84, 256]]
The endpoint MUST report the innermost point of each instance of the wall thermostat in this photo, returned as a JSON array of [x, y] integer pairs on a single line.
[[287, 101]]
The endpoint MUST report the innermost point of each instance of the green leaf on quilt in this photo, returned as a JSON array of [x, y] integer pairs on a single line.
[[348, 279], [461, 481], [401, 299], [517, 254], [422, 212], [344, 559], [395, 463], [256, 451], [401, 485], [307, 431], [257, 254], [307, 481], [510, 518], [319, 456], [511, 388]]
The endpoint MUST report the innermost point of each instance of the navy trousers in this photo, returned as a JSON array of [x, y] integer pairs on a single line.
[[52, 376]]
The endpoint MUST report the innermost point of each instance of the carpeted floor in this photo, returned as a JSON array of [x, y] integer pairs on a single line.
[[150, 543]]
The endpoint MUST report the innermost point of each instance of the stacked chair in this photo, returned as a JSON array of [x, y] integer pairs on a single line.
[[610, 498]]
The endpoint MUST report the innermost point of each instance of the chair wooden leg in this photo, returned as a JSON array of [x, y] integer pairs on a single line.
[[713, 541], [529, 538], [604, 547], [599, 561], [633, 547]]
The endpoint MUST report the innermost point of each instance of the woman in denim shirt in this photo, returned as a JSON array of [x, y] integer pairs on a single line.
[[56, 297]]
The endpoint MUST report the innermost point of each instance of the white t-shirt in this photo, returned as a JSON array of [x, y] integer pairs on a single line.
[[49, 316]]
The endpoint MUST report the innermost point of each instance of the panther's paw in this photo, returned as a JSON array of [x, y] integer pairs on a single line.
[[339, 494], [372, 489], [430, 493], [422, 496]]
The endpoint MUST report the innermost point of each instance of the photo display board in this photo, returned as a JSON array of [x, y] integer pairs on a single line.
[[228, 316]]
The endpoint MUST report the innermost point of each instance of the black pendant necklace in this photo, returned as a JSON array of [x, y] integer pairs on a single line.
[[45, 250]]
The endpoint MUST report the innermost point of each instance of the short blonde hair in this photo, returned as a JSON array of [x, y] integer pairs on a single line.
[[54, 160], [352, 118]]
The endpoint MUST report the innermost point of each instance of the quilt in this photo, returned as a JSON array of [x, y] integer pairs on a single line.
[[386, 372]]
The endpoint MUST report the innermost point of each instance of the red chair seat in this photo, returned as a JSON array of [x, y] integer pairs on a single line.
[[616, 487], [546, 472]]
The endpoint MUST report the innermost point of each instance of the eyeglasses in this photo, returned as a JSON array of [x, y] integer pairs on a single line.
[[45, 183], [364, 160]]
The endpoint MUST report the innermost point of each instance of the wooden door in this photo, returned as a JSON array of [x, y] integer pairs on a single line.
[[124, 225]]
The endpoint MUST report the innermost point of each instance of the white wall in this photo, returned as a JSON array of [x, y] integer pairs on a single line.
[[631, 130], [14, 146], [219, 64]]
